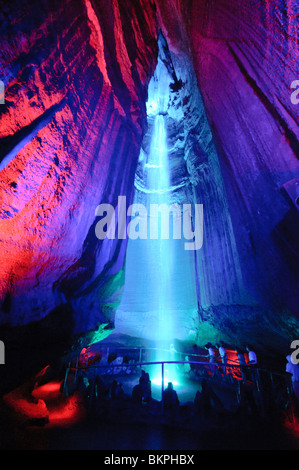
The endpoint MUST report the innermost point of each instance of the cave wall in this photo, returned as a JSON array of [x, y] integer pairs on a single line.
[[245, 58], [76, 77]]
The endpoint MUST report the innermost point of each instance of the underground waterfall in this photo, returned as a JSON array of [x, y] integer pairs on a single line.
[[159, 302]]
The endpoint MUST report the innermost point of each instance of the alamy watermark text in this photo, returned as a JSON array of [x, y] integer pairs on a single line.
[[155, 223]]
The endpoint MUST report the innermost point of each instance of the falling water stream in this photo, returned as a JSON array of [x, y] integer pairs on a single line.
[[158, 180], [159, 298]]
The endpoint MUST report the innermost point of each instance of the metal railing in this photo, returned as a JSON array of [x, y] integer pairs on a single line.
[[254, 373]]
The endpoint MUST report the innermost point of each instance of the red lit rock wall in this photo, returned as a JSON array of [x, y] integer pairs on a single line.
[[76, 75]]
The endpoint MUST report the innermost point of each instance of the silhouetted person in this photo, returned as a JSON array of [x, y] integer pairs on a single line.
[[146, 386], [147, 395], [170, 398], [113, 389], [137, 393], [247, 402], [202, 401]]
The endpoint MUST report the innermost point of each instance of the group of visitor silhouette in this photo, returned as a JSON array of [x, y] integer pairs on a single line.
[[213, 372]]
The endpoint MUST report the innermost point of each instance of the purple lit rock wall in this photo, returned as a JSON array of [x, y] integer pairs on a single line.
[[246, 57]]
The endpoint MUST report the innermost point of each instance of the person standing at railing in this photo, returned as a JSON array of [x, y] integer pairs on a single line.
[[202, 401], [170, 398], [211, 357], [252, 361], [223, 356], [242, 363], [147, 393], [137, 393], [252, 358]]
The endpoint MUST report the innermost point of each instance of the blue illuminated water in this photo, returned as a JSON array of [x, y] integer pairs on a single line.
[[159, 302]]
